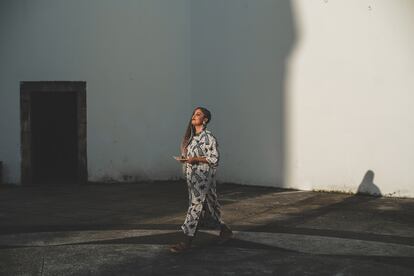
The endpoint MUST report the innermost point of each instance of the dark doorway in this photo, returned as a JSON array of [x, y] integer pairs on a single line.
[[54, 137], [53, 126]]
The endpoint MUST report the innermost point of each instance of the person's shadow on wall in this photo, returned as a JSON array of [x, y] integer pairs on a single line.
[[367, 186]]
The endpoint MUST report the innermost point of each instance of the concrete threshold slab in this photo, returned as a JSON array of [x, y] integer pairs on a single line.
[[321, 245], [73, 237], [309, 244]]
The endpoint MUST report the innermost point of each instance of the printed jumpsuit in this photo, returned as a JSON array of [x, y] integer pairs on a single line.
[[204, 209]]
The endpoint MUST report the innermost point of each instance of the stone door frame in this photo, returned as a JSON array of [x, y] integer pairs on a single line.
[[26, 89]]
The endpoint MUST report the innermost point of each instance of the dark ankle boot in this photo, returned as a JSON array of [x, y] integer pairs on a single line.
[[225, 233], [183, 245]]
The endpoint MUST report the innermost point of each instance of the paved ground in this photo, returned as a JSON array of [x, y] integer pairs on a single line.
[[124, 229]]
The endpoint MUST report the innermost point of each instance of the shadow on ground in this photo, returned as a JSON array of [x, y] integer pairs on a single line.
[[98, 229]]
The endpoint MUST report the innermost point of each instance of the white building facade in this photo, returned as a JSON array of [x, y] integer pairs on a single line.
[[312, 95]]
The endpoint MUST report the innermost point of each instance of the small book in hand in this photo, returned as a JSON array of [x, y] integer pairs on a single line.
[[179, 158]]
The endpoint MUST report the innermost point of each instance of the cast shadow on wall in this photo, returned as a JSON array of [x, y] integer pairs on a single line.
[[239, 68]]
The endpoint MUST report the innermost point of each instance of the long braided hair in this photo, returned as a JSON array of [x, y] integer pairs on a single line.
[[190, 131]]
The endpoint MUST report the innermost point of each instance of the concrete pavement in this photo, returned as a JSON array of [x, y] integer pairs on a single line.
[[125, 229]]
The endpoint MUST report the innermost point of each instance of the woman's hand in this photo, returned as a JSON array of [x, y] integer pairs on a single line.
[[191, 160]]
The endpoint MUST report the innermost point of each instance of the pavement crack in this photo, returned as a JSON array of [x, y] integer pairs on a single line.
[[43, 265]]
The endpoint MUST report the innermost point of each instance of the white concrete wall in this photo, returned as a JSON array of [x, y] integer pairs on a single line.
[[350, 97], [307, 94], [134, 56]]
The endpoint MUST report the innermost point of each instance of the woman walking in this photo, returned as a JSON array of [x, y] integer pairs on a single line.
[[200, 155]]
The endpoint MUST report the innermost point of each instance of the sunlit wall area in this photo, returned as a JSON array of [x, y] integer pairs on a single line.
[[350, 97]]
